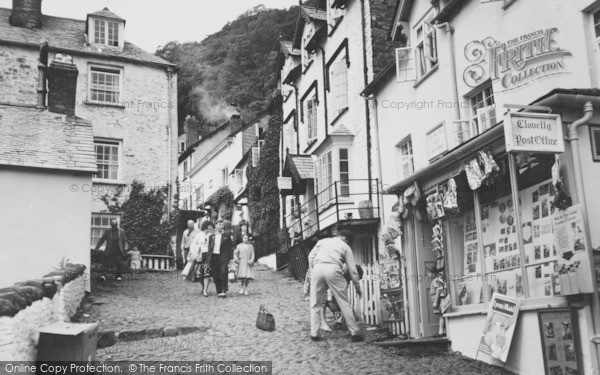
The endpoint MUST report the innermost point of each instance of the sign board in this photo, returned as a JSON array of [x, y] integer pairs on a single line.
[[284, 183], [560, 342], [499, 326], [436, 140], [533, 132]]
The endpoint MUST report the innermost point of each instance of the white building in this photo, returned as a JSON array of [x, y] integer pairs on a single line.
[[444, 101], [326, 136]]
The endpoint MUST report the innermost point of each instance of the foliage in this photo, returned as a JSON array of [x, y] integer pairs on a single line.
[[263, 193], [223, 198], [143, 217], [234, 65]]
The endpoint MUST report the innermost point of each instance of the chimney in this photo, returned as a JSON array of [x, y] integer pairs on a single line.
[[26, 13], [62, 85], [191, 129], [235, 121]]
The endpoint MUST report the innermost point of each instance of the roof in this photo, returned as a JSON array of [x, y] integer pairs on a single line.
[[106, 13], [342, 130], [288, 49], [68, 35], [584, 92], [449, 10], [381, 78], [301, 166], [39, 139], [307, 14]]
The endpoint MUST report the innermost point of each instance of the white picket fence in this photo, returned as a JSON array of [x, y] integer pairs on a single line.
[[368, 305], [157, 262]]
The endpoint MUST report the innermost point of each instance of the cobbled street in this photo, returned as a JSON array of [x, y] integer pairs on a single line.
[[227, 332]]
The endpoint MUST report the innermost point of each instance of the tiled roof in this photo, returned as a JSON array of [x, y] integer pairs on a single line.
[[315, 14], [34, 138], [106, 13], [67, 35], [304, 166]]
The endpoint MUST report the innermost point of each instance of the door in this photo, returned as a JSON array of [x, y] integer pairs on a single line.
[[429, 322]]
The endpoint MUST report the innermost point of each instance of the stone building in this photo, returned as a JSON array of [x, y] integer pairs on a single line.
[[127, 94]]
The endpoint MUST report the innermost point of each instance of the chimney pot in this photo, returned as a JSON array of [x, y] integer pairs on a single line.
[[62, 85], [26, 13]]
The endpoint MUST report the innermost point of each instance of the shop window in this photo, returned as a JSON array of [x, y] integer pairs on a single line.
[[595, 142]]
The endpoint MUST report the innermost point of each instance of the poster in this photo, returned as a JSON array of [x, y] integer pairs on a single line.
[[499, 326], [559, 336], [390, 274]]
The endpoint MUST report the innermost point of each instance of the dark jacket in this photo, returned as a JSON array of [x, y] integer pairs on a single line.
[[226, 249], [108, 236]]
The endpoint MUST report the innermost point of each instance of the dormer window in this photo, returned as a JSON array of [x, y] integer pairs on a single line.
[[105, 28]]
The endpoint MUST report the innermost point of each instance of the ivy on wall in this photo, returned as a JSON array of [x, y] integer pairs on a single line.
[[222, 202], [263, 193], [144, 217]]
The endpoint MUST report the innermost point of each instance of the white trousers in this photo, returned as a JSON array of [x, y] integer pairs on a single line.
[[329, 276]]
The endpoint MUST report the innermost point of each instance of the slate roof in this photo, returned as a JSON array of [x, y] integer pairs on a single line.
[[302, 165], [67, 35], [106, 13], [39, 139]]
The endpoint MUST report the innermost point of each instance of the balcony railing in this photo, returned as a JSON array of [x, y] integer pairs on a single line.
[[342, 201]]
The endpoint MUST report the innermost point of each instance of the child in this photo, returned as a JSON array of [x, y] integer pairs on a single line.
[[332, 304], [438, 292], [135, 258]]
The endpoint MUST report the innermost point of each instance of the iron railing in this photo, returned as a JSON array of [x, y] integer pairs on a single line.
[[341, 201]]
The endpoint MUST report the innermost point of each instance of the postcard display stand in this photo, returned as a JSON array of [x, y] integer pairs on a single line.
[[560, 341], [553, 240]]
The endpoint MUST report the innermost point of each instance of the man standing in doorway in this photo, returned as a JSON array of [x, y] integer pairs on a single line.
[[327, 261], [220, 252], [116, 246], [187, 239]]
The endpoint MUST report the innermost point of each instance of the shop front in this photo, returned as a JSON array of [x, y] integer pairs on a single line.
[[498, 244]]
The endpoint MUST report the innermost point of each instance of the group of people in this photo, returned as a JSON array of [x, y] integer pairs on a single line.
[[213, 252]]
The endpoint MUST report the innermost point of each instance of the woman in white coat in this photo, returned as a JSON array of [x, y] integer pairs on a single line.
[[244, 258]]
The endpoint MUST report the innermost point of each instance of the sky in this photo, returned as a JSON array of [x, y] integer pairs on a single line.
[[153, 23]]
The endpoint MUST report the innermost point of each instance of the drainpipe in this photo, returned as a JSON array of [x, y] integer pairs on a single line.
[[573, 138], [325, 88], [42, 68], [296, 122], [366, 83], [169, 136], [450, 31]]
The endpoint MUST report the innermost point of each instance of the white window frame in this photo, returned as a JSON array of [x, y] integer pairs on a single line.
[[307, 57], [111, 71], [482, 104], [338, 83], [406, 157], [225, 177], [99, 223], [426, 51], [112, 144], [344, 183], [312, 106], [181, 146], [104, 39], [325, 178], [199, 193], [405, 64], [238, 179]]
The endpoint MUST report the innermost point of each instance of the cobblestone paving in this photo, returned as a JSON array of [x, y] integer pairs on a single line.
[[229, 332]]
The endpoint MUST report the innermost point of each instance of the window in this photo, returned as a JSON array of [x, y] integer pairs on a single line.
[[325, 177], [344, 172], [426, 48], [186, 166], [405, 64], [405, 150], [100, 223], [307, 57], [339, 86], [185, 204], [105, 85], [483, 110], [238, 179], [311, 118], [255, 156], [106, 32], [595, 142], [181, 146], [225, 176], [199, 195], [108, 159]]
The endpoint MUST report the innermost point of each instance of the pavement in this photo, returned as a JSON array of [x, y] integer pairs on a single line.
[[226, 331]]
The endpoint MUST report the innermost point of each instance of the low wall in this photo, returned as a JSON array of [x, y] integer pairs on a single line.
[[31, 305]]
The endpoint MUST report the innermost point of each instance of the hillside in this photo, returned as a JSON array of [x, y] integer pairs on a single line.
[[234, 65]]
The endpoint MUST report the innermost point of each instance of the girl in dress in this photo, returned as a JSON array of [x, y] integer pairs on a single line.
[[199, 248], [244, 258]]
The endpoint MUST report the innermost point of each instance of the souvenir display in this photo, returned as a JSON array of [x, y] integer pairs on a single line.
[[474, 174], [499, 327], [560, 341], [451, 198], [435, 206]]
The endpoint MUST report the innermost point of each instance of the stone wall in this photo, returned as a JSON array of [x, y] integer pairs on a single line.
[[31, 305]]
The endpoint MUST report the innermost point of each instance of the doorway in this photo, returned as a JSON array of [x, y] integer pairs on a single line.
[[425, 259]]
